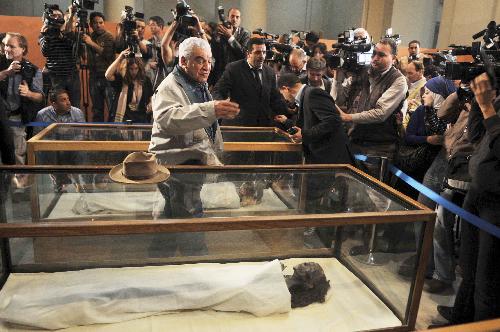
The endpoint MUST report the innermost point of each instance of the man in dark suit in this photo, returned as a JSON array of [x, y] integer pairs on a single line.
[[252, 85], [319, 126], [234, 36]]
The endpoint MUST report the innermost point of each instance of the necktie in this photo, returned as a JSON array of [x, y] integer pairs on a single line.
[[257, 77]]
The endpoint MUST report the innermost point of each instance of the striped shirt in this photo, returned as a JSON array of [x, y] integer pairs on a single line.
[[58, 52]]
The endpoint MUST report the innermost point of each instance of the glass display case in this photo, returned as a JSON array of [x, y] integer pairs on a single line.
[[74, 223], [109, 144]]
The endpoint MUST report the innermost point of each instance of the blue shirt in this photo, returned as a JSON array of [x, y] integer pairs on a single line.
[[49, 115]]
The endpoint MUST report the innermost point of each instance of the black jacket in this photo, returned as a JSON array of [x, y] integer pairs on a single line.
[[484, 166], [257, 106], [6, 137], [323, 137]]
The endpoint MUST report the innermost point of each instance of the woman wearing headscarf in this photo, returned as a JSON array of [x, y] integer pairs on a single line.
[[426, 129]]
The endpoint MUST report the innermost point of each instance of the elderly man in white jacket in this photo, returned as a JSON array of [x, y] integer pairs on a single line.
[[185, 131]]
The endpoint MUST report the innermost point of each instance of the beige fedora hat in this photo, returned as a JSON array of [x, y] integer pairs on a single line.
[[139, 168]]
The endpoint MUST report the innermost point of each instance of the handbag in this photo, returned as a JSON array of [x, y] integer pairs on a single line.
[[416, 158]]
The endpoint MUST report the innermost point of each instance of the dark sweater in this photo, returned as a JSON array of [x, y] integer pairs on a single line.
[[415, 132], [484, 165]]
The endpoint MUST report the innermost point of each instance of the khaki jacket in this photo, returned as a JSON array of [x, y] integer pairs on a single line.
[[178, 129]]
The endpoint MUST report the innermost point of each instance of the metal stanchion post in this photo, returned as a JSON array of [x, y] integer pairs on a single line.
[[368, 257]]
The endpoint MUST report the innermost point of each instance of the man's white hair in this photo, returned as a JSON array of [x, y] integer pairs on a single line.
[[362, 33], [187, 46], [299, 53]]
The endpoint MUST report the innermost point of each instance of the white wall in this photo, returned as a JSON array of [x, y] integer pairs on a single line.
[[463, 18], [415, 20]]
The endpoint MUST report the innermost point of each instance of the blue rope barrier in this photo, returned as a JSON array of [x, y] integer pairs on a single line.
[[455, 209]]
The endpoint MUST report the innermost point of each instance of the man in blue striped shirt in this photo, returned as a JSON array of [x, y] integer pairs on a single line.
[[60, 110]]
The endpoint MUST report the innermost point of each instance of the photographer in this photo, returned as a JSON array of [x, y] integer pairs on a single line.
[[100, 56], [155, 68], [312, 38], [21, 88], [346, 67], [133, 103], [478, 296], [381, 96], [234, 37], [175, 34], [130, 34], [57, 43]]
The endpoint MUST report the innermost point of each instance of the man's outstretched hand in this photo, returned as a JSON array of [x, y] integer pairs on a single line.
[[225, 109]]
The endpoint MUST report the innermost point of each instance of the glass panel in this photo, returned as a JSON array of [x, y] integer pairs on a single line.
[[86, 133], [80, 158], [262, 157], [111, 158], [391, 264], [190, 195], [253, 136], [141, 133]]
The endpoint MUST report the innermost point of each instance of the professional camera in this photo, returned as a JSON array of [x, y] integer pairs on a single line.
[[82, 14], [486, 57], [184, 18], [352, 54], [54, 25], [395, 37], [275, 52], [28, 70], [85, 4], [301, 34], [222, 17], [129, 26]]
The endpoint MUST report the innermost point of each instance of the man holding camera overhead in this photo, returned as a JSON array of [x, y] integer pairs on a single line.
[[381, 96], [100, 52], [21, 88], [235, 36], [57, 43]]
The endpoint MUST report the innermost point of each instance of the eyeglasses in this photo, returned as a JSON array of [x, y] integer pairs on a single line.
[[380, 54]]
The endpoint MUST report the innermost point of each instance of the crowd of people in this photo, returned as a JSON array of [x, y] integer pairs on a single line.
[[188, 82]]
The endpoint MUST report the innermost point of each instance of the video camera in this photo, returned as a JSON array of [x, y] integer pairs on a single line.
[[129, 26], [222, 18], [352, 53], [486, 57], [82, 14], [275, 52], [184, 18], [390, 35], [54, 25], [301, 34]]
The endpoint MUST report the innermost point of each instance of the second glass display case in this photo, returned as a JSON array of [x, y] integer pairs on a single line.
[[103, 144]]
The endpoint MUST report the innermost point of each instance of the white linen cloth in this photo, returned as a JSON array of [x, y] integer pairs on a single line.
[[65, 299]]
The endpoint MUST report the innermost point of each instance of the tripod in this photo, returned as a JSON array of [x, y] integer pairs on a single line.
[[80, 53]]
